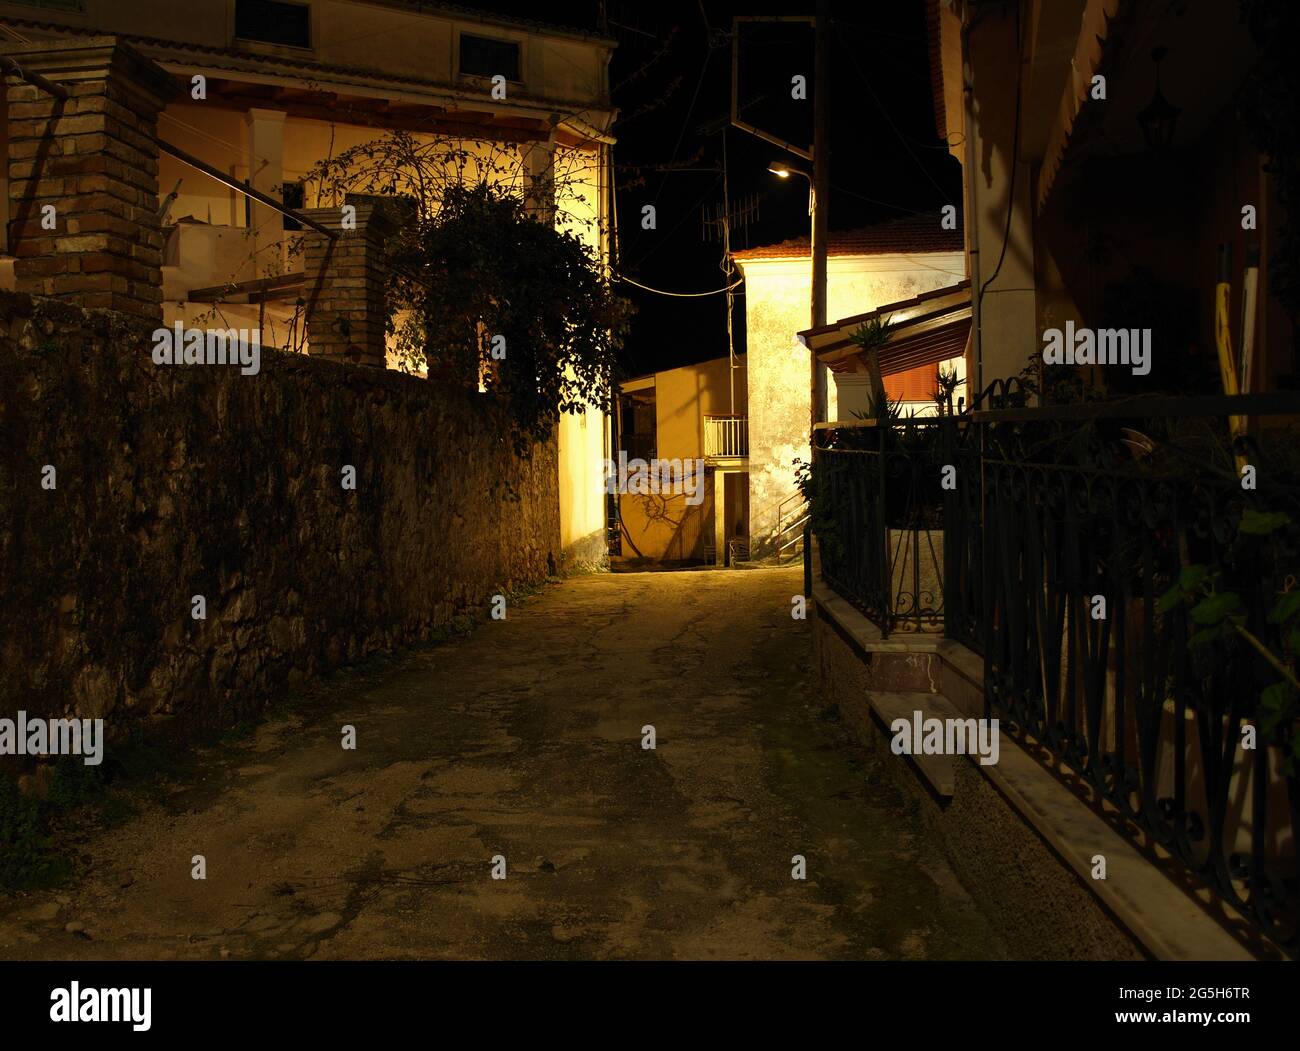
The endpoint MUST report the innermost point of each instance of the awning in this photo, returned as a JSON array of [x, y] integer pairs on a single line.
[[1089, 52], [928, 329]]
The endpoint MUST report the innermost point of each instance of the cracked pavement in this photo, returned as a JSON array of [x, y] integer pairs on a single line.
[[524, 740]]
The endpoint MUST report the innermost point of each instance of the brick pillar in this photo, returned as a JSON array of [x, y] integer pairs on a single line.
[[90, 157], [344, 280]]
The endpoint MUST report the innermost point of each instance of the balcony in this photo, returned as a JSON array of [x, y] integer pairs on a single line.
[[726, 437], [1128, 597]]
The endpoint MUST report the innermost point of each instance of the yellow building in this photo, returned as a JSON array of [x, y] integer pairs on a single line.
[[270, 88], [695, 417], [750, 425]]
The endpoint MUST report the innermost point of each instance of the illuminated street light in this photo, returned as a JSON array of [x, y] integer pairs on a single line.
[[783, 171]]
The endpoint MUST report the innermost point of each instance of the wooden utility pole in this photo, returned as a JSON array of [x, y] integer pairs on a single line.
[[821, 193], [819, 154]]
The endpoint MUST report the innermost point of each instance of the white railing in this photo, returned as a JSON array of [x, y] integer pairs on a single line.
[[726, 435]]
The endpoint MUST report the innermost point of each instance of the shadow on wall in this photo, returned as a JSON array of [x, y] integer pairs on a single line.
[[661, 526]]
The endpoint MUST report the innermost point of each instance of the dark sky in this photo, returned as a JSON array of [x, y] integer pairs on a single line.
[[886, 159]]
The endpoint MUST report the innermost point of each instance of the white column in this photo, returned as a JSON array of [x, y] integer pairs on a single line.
[[720, 517], [539, 162], [852, 393], [265, 137]]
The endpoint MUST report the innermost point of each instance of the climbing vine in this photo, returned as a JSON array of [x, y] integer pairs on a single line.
[[483, 289]]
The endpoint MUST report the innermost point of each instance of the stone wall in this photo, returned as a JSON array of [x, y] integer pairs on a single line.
[[176, 481]]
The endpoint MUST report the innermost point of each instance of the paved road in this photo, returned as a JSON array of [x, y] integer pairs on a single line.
[[525, 740]]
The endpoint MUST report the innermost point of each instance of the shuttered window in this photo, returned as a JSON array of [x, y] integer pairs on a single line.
[[913, 385]]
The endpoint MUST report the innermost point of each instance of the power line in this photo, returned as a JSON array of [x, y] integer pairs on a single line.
[[699, 83], [874, 200], [680, 295], [901, 137], [674, 228]]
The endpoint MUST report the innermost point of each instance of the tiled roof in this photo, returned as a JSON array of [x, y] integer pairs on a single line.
[[903, 306], [910, 236]]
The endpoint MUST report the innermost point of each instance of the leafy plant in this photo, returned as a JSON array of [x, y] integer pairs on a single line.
[[945, 386], [812, 483], [27, 854], [483, 290], [1219, 614], [869, 337]]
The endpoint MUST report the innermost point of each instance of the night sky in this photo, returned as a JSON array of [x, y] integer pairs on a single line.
[[671, 80]]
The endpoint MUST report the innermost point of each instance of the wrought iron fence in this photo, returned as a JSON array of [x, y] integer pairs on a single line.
[[878, 516], [1062, 541]]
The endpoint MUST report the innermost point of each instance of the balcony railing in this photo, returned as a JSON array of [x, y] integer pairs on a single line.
[[726, 436], [1089, 553]]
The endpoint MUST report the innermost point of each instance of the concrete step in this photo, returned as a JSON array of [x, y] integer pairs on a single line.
[[888, 706]]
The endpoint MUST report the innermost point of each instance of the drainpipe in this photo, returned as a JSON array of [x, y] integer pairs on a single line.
[[972, 213], [977, 345]]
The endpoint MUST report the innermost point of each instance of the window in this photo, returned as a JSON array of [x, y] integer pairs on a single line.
[[916, 384], [293, 195], [637, 419], [484, 57], [273, 22]]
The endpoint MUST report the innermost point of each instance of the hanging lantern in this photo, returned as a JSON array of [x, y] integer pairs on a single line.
[[1159, 119]]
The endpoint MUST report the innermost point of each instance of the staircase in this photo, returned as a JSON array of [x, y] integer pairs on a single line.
[[791, 516]]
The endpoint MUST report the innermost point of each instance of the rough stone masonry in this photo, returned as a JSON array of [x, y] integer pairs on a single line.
[[176, 482]]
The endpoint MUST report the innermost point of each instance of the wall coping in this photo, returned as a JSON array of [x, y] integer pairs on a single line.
[[1165, 920], [130, 335]]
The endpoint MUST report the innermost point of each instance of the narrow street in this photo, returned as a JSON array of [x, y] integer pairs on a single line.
[[524, 739]]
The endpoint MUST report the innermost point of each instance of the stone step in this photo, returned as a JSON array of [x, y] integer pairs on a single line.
[[938, 770]]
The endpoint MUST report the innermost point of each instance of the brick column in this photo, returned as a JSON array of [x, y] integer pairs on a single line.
[[344, 282], [91, 158]]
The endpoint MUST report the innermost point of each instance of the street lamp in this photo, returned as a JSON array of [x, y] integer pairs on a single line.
[[783, 171], [817, 244]]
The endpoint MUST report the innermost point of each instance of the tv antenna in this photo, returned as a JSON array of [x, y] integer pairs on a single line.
[[728, 217]]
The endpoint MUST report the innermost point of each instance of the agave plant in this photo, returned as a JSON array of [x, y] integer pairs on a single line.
[[869, 338]]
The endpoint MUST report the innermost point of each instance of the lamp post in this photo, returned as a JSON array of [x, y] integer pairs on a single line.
[[818, 154], [818, 296]]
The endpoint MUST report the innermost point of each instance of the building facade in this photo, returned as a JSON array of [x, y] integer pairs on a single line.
[[866, 269], [264, 91], [693, 418]]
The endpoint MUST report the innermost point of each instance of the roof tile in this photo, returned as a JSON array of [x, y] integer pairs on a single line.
[[912, 235]]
